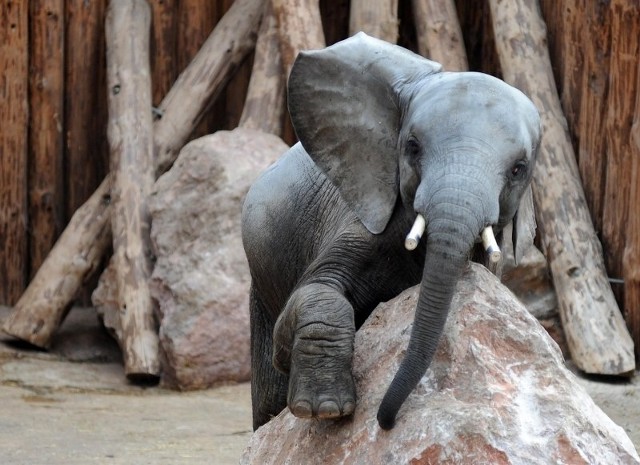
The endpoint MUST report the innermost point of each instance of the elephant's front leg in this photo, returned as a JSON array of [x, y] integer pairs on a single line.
[[313, 342]]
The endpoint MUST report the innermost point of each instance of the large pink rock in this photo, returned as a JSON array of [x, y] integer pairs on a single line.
[[201, 278], [497, 392]]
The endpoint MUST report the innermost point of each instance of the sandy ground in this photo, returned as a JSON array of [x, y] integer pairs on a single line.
[[73, 405]]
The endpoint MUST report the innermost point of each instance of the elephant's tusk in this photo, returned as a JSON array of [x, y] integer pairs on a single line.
[[490, 245], [417, 230]]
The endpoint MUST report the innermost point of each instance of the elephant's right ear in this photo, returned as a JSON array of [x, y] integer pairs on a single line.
[[345, 107]]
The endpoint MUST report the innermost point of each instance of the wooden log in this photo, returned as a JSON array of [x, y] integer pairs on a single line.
[[625, 47], [14, 115], [631, 258], [335, 19], [85, 117], [439, 34], [130, 137], [201, 82], [594, 99], [42, 307], [299, 28], [46, 141], [164, 56], [596, 333], [265, 103], [378, 18]]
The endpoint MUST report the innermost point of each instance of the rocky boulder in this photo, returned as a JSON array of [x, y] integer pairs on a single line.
[[201, 278], [497, 392]]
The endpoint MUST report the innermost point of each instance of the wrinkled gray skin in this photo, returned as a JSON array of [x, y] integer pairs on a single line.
[[384, 135]]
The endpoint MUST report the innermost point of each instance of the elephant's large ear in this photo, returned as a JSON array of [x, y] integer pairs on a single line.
[[524, 226], [345, 107]]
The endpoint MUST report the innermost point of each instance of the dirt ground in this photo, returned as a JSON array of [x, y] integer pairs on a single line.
[[73, 405]]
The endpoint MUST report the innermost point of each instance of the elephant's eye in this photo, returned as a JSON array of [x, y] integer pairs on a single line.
[[413, 147], [519, 170]]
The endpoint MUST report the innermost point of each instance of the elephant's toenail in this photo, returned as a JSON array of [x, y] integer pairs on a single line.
[[328, 409], [302, 409], [348, 408]]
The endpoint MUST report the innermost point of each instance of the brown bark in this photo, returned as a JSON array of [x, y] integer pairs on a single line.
[[80, 248], [625, 51], [164, 66], [299, 28], [201, 82], [265, 102], [378, 18], [14, 115], [439, 34], [631, 258], [46, 100], [597, 336], [592, 154], [85, 117], [132, 174]]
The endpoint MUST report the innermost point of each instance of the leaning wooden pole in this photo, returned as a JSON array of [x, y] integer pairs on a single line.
[[85, 240], [130, 136], [598, 339]]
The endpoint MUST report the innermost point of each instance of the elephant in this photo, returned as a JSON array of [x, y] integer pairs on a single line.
[[384, 135]]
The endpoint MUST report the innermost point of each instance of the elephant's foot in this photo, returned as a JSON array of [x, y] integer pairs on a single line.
[[320, 380]]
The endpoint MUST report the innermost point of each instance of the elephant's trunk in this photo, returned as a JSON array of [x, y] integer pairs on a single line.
[[453, 224]]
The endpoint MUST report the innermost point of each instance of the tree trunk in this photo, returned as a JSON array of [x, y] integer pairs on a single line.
[[631, 258], [596, 333], [164, 66], [132, 174], [625, 46], [85, 117], [439, 34], [46, 89], [265, 103], [594, 97], [14, 114], [378, 18], [82, 245]]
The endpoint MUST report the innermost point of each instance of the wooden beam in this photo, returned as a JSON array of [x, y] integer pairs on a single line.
[[46, 122], [598, 339], [14, 117]]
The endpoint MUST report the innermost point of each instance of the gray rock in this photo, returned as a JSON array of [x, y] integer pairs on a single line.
[[201, 279], [497, 392]]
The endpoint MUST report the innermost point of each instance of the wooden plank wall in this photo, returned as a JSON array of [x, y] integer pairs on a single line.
[[53, 112]]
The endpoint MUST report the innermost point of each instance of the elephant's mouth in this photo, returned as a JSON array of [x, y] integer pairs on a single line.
[[488, 239]]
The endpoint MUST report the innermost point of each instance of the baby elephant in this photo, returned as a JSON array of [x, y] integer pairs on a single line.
[[385, 137]]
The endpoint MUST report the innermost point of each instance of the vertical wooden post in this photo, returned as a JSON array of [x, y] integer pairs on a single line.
[[14, 117], [625, 53], [85, 109], [46, 102], [631, 257], [130, 137], [593, 102], [164, 60], [596, 333], [439, 34], [378, 18]]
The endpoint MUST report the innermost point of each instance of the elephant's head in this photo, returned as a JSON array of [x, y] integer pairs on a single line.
[[458, 148]]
